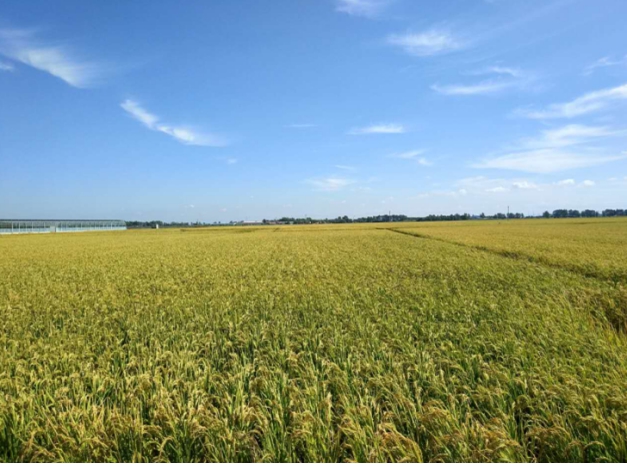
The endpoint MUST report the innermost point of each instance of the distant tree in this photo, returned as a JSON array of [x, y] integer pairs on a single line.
[[546, 214]]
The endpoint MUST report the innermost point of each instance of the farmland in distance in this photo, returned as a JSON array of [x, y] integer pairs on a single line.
[[468, 341]]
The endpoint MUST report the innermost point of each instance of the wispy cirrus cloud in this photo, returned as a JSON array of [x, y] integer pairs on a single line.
[[548, 160], [8, 67], [503, 78], [182, 134], [378, 129], [426, 43], [568, 147], [365, 8], [605, 62], [569, 135], [481, 88], [413, 155], [407, 154], [505, 70], [588, 103], [227, 159], [57, 60], [344, 167], [330, 184]]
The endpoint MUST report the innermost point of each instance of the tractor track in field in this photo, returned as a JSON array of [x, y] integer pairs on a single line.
[[587, 273]]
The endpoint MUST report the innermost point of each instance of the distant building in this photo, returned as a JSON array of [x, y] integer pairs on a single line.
[[47, 226]]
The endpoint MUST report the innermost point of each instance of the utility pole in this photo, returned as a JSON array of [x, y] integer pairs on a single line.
[[507, 211]]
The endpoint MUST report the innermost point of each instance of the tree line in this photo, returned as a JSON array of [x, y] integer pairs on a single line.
[[573, 213], [558, 213]]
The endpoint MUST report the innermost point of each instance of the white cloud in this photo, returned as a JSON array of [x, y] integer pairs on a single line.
[[413, 155], [6, 66], [478, 185], [378, 129], [588, 103], [604, 62], [231, 160], [513, 72], [344, 167], [481, 88], [559, 149], [427, 43], [525, 185], [184, 135], [365, 8], [505, 78], [407, 154], [517, 188], [481, 184], [569, 135], [497, 190], [139, 113], [330, 184], [22, 46], [544, 161]]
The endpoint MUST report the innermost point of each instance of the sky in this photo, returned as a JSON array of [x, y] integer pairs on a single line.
[[243, 110]]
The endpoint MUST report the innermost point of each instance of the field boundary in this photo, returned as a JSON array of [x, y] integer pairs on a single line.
[[613, 305], [588, 273]]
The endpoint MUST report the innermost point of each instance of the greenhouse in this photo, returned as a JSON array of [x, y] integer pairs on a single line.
[[45, 226]]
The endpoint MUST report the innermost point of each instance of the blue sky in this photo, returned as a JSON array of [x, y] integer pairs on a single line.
[[228, 110]]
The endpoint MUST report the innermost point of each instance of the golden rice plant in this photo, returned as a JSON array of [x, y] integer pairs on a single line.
[[446, 342]]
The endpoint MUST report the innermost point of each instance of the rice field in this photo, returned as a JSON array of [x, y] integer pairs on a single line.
[[470, 341]]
